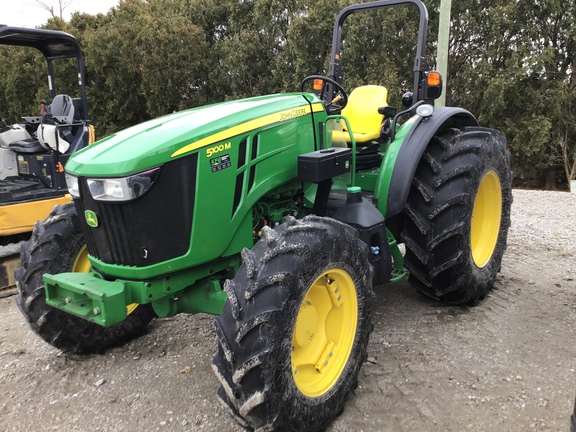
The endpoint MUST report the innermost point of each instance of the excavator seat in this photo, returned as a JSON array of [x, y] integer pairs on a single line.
[[60, 111], [362, 113]]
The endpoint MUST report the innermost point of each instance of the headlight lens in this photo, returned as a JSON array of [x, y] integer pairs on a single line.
[[73, 187], [123, 188]]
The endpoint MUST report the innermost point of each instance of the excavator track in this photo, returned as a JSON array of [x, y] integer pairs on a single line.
[[9, 261]]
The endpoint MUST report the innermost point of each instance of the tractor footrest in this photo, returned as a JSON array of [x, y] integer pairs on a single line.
[[87, 296], [398, 275]]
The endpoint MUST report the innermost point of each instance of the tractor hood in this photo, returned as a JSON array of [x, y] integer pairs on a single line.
[[163, 139]]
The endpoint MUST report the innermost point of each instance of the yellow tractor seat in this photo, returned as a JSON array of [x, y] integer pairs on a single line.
[[362, 112]]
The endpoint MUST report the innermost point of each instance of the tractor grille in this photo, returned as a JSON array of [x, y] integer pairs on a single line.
[[151, 229]]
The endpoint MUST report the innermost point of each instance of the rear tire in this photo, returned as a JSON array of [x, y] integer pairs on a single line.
[[458, 215], [57, 246], [279, 311]]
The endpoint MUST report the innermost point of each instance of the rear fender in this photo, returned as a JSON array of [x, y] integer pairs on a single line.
[[403, 155]]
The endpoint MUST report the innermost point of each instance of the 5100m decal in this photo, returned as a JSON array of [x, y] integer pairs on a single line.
[[217, 149]]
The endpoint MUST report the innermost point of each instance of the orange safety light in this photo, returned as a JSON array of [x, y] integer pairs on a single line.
[[434, 78], [318, 84]]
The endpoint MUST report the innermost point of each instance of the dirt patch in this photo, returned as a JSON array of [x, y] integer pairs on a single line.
[[507, 364]]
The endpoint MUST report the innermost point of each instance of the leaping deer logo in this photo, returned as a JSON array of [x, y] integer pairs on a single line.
[[91, 218]]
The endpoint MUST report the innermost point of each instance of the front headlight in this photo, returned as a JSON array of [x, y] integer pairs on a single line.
[[72, 183], [123, 188]]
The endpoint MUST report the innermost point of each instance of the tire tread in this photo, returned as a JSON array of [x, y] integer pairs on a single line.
[[439, 209], [52, 248], [251, 332]]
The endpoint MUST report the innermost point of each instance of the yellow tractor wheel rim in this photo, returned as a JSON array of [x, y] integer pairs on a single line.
[[486, 217], [324, 332], [82, 265]]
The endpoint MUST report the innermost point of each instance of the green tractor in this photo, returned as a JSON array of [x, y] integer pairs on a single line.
[[279, 214]]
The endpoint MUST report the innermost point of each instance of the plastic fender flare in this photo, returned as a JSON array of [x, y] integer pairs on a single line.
[[413, 148]]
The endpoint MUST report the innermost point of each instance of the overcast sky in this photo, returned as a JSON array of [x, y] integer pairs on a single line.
[[26, 13]]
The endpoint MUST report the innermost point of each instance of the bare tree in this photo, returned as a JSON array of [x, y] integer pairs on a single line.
[[54, 12]]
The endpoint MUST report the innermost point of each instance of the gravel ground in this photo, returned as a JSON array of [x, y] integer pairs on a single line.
[[507, 364]]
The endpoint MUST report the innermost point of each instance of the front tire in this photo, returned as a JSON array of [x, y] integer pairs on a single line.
[[294, 331], [458, 215], [57, 246]]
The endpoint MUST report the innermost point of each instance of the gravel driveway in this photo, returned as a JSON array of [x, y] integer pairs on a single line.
[[507, 364]]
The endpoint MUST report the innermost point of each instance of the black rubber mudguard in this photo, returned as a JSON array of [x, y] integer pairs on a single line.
[[414, 146]]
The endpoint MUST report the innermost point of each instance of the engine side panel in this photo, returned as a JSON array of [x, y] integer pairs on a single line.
[[228, 173]]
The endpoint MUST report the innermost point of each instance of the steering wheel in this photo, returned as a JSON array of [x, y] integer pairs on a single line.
[[336, 104]]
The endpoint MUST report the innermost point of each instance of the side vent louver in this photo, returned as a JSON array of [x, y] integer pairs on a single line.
[[242, 153], [255, 142], [237, 192]]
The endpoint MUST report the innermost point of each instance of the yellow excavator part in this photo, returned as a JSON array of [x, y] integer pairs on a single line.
[[20, 217], [17, 219]]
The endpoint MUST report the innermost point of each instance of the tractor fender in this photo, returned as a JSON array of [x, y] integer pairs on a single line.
[[413, 148]]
